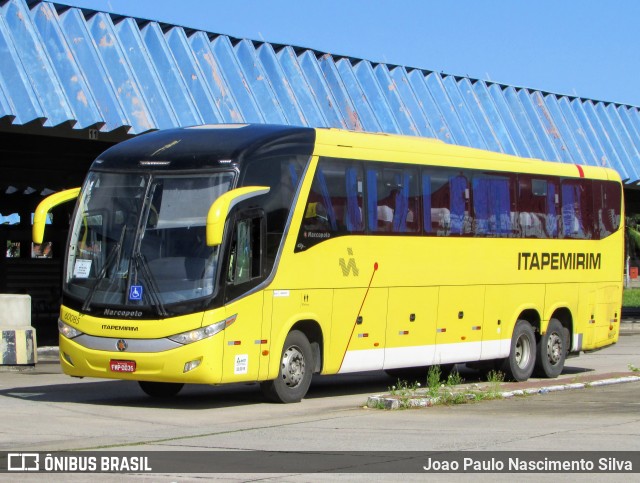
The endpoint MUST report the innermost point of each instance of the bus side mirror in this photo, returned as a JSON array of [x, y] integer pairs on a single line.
[[45, 206], [222, 206]]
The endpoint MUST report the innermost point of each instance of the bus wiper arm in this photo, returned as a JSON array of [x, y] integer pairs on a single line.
[[113, 255], [153, 286]]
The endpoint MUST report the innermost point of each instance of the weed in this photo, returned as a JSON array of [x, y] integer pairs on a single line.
[[444, 393], [633, 368], [454, 379], [495, 379], [433, 381], [404, 388], [404, 392]]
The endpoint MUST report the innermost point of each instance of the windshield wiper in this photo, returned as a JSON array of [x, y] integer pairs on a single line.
[[153, 286], [113, 255]]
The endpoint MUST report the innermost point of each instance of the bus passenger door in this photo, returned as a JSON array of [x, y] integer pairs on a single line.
[[460, 321], [411, 327], [242, 271], [358, 334]]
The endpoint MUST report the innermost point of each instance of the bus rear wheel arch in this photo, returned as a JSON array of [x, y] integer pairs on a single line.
[[519, 365], [296, 368]]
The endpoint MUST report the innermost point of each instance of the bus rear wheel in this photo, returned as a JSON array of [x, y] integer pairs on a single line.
[[296, 368], [521, 361], [160, 389], [552, 350]]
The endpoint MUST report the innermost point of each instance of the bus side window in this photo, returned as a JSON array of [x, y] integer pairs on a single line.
[[492, 205], [531, 217], [577, 220], [459, 204], [392, 198], [606, 208], [335, 201], [245, 258], [437, 204]]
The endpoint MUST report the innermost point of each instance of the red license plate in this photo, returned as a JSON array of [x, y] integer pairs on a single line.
[[122, 366]]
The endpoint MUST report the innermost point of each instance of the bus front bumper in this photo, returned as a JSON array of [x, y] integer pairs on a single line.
[[197, 363]]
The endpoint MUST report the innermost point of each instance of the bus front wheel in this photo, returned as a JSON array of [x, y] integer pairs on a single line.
[[160, 389], [521, 361], [296, 368], [552, 350]]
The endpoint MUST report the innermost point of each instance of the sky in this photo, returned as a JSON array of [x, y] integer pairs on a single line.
[[585, 48]]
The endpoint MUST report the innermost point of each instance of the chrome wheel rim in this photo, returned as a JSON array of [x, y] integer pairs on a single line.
[[293, 366], [523, 351], [554, 348]]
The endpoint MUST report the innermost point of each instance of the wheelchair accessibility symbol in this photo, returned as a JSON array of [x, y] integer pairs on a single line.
[[135, 292]]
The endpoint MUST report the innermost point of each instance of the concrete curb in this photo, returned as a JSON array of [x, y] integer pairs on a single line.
[[386, 401]]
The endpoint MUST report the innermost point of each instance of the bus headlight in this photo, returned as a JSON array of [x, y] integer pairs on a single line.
[[203, 332], [68, 331]]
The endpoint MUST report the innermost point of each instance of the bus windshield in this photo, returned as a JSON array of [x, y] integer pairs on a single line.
[[138, 240]]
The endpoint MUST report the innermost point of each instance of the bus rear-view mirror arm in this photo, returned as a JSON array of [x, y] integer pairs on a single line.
[[222, 206], [45, 206]]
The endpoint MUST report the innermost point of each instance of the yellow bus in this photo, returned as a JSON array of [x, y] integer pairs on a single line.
[[236, 253]]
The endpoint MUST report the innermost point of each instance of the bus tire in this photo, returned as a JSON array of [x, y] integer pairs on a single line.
[[521, 361], [296, 369], [160, 389], [552, 350]]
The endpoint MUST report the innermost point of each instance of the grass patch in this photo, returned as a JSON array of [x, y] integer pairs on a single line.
[[445, 392], [495, 379], [631, 297]]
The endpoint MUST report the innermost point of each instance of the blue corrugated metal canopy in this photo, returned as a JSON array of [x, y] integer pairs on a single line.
[[86, 70]]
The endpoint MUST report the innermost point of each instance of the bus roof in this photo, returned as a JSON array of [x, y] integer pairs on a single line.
[[202, 147], [216, 146], [413, 149]]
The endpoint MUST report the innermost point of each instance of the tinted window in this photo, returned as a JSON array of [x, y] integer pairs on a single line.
[[335, 203], [282, 174], [385, 198], [492, 205], [538, 207], [393, 199], [606, 207]]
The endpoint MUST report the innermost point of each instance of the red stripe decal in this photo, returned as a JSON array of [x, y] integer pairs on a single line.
[[580, 170], [375, 269]]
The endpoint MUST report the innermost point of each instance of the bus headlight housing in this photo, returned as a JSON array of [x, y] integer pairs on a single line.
[[203, 332], [68, 331]]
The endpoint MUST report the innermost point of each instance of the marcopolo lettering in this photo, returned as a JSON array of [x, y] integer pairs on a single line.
[[559, 261], [122, 313]]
